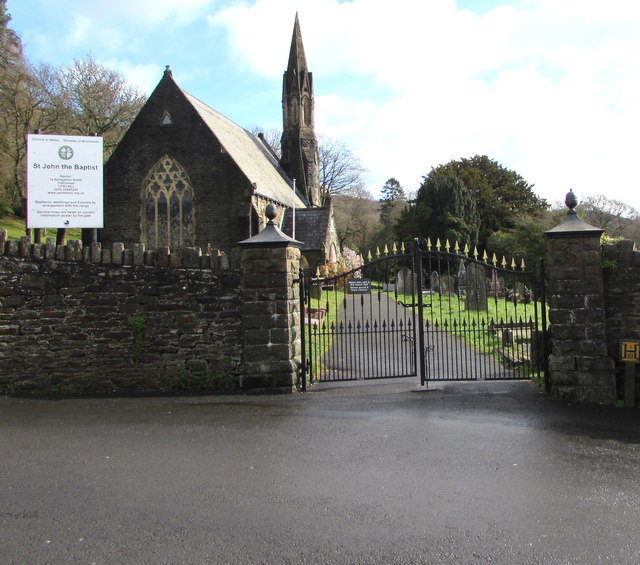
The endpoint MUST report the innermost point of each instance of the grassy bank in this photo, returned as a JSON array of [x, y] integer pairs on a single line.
[[16, 229]]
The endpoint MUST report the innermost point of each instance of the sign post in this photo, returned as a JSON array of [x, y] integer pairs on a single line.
[[64, 181]]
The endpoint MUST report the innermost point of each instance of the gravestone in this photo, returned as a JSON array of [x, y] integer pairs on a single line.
[[434, 281], [476, 288], [404, 281], [462, 278], [447, 285]]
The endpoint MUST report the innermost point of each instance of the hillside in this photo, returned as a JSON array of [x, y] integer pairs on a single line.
[[356, 221], [16, 229]]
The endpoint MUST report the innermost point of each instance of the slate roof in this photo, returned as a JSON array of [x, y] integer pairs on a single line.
[[254, 159], [312, 225]]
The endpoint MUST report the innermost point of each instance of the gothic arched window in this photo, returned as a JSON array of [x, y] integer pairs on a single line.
[[167, 206]]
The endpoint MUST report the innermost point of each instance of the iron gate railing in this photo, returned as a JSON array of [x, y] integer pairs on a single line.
[[481, 320], [354, 326], [433, 313]]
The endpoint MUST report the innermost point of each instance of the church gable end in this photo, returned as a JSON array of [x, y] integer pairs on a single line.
[[185, 175]]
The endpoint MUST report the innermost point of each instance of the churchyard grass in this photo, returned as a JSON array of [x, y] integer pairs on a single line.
[[449, 313], [16, 229]]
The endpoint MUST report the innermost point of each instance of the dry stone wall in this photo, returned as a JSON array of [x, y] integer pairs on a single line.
[[115, 320]]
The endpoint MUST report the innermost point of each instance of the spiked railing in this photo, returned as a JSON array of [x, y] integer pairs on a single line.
[[394, 248]]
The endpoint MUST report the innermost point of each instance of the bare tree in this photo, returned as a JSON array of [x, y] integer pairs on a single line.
[[95, 99], [356, 220], [340, 170], [26, 107], [611, 215], [270, 137]]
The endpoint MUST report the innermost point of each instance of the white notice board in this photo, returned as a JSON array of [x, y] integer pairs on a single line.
[[64, 181]]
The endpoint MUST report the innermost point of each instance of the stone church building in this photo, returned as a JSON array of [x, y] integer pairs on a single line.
[[184, 175]]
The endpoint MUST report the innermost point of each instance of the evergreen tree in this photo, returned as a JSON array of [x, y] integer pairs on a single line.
[[501, 196], [444, 209], [392, 193], [392, 202]]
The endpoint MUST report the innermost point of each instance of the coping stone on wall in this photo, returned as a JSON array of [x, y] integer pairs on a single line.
[[116, 255]]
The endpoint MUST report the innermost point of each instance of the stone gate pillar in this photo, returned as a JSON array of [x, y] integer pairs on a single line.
[[270, 310], [579, 368]]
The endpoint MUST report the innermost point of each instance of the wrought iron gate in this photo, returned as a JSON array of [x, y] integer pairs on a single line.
[[427, 312]]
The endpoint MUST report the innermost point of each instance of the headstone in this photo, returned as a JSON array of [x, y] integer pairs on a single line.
[[447, 285], [404, 281], [434, 281], [476, 287], [462, 278]]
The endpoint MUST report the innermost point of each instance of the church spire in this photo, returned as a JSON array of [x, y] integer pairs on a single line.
[[297, 60], [299, 142]]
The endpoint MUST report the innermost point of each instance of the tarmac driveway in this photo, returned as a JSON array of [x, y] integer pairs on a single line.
[[484, 472]]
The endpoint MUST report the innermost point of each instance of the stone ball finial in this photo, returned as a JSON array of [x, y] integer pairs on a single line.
[[271, 212], [571, 200]]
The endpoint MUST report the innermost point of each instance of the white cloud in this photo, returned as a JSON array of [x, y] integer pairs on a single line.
[[144, 77], [547, 88]]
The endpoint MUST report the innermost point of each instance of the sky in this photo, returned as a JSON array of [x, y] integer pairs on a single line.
[[547, 88]]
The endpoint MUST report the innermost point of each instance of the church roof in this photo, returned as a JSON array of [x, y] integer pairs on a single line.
[[250, 154], [312, 225]]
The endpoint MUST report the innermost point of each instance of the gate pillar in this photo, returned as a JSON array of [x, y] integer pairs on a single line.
[[270, 310], [579, 368]]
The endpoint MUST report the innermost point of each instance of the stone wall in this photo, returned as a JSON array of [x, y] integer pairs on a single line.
[[271, 314], [115, 320], [580, 369], [621, 268]]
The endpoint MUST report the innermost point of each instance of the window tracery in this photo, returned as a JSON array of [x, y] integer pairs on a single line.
[[167, 206]]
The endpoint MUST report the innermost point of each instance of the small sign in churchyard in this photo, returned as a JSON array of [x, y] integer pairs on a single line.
[[359, 286], [64, 181], [630, 354], [630, 351]]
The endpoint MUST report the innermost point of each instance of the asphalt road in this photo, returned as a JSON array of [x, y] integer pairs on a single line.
[[367, 472]]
